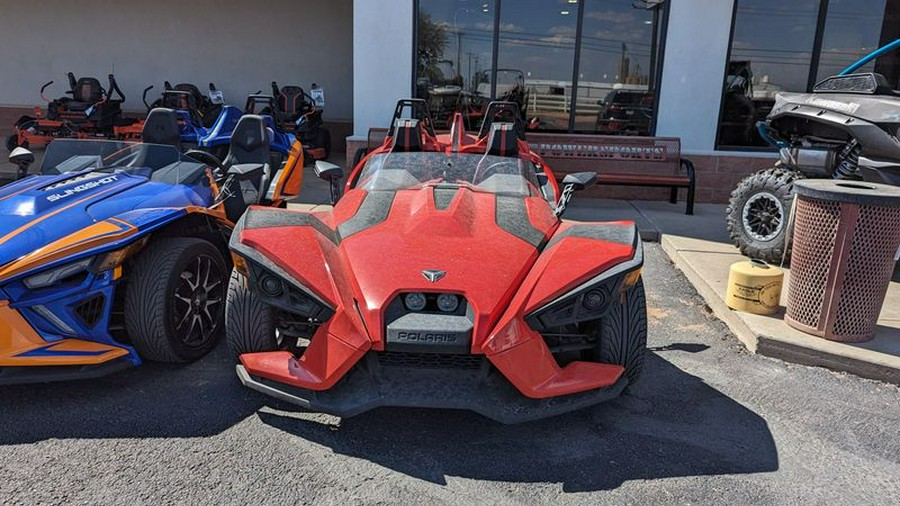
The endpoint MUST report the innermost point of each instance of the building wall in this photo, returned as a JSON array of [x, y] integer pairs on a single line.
[[382, 60], [693, 71], [241, 46]]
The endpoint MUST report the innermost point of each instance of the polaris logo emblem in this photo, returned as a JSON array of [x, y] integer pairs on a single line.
[[433, 275], [90, 185], [427, 337]]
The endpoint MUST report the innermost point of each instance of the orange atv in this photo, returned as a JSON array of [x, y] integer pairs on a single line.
[[90, 111]]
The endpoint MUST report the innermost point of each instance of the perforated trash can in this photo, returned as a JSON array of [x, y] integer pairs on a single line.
[[846, 236]]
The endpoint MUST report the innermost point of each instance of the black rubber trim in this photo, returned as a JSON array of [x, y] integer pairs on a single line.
[[48, 374], [374, 209], [263, 261], [443, 197], [607, 232], [269, 218], [368, 386], [616, 271], [512, 216]]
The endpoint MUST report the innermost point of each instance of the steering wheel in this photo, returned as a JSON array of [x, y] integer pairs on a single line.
[[208, 159]]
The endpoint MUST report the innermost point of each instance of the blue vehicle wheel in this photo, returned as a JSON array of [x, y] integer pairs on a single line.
[[175, 299]]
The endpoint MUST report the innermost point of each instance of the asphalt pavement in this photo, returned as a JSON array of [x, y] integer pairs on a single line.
[[708, 423]]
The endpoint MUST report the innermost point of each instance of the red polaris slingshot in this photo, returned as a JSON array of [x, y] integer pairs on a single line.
[[443, 277]]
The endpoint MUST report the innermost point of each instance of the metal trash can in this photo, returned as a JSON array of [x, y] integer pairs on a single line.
[[846, 238]]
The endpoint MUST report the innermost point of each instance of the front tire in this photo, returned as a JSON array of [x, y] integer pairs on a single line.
[[249, 323], [758, 212], [175, 300], [623, 333]]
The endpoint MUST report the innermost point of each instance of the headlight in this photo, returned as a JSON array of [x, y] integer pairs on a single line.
[[591, 300], [447, 302], [52, 276], [113, 259], [415, 301]]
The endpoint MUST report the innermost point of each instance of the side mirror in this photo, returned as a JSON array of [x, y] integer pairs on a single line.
[[580, 180], [328, 171], [572, 183], [333, 174], [23, 159]]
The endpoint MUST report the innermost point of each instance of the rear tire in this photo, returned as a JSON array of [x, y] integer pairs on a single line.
[[623, 333], [758, 212], [175, 298], [249, 323]]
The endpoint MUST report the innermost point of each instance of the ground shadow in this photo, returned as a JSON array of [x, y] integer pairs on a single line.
[[672, 424], [153, 400]]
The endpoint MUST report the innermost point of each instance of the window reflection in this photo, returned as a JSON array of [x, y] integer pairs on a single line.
[[855, 28], [771, 51], [615, 89], [536, 48], [454, 47], [537, 40], [852, 31]]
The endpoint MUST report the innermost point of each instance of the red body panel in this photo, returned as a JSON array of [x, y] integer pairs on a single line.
[[502, 276]]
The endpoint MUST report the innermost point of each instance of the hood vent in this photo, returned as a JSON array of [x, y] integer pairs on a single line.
[[76, 179]]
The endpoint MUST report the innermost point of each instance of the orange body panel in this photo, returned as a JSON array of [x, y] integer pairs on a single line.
[[18, 338]]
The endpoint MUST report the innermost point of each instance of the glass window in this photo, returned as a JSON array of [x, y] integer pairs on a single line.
[[855, 28], [616, 70], [852, 30], [536, 50], [454, 48], [771, 51], [537, 41]]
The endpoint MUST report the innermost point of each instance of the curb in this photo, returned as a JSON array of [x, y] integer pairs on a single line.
[[812, 352]]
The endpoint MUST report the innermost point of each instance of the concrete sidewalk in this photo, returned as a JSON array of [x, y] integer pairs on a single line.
[[706, 265]]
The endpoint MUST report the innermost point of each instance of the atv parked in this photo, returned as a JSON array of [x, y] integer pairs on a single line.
[[90, 111], [197, 113], [845, 129], [218, 138], [295, 111]]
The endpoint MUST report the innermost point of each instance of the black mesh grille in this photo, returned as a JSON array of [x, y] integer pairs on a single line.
[[429, 360], [91, 310]]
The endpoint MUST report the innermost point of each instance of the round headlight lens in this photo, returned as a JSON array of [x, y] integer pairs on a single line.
[[447, 302], [415, 301], [595, 299], [271, 286]]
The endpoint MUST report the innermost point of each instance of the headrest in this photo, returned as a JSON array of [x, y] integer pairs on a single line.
[[407, 135], [161, 127], [502, 140], [291, 91], [250, 133], [87, 89], [290, 99], [188, 87]]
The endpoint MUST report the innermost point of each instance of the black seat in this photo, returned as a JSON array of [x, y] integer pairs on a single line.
[[407, 136], [249, 142], [503, 140], [87, 89], [291, 100], [248, 163], [161, 127]]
